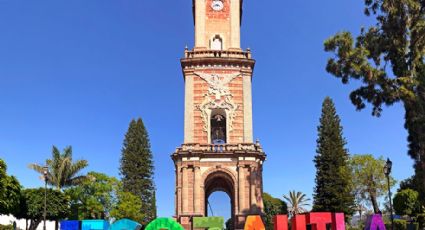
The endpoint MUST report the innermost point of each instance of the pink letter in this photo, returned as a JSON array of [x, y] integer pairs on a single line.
[[338, 221]]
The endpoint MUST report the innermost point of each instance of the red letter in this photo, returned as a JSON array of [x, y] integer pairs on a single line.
[[280, 222], [298, 222], [318, 220]]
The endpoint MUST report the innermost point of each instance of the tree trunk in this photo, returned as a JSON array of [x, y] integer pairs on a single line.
[[34, 224], [56, 224], [374, 204]]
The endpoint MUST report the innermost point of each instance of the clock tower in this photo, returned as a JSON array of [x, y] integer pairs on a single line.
[[218, 153]]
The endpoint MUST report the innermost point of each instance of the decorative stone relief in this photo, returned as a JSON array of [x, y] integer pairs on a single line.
[[218, 97]]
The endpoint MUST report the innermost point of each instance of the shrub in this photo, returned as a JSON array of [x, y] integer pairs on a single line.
[[413, 226], [400, 224], [420, 218], [6, 227]]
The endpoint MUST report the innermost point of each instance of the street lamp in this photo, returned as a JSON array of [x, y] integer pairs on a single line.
[[45, 172], [387, 172]]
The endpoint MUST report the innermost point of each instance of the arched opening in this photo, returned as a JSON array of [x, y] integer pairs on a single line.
[[219, 204], [216, 43], [218, 126], [220, 195]]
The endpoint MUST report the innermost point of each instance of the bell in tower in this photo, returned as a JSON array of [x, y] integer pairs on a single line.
[[218, 153]]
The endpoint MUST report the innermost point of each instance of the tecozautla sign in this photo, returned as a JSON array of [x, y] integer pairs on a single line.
[[316, 220]]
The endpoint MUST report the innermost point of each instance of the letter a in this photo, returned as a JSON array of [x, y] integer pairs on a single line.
[[254, 223]]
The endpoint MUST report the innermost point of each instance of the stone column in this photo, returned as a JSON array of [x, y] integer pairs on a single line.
[[235, 24], [188, 108], [178, 192], [200, 14], [247, 108], [185, 192], [253, 187], [197, 190], [241, 178]]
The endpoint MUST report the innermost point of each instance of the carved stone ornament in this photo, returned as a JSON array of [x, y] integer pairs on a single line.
[[218, 97]]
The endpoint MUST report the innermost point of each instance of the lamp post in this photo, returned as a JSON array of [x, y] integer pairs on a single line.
[[45, 172], [387, 172]]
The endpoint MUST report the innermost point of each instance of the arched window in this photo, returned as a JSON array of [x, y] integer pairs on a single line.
[[218, 126], [217, 43]]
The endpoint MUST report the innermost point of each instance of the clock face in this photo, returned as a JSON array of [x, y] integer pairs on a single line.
[[217, 5]]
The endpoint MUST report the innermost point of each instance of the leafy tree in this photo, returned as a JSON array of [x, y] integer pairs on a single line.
[[10, 191], [297, 201], [388, 59], [406, 202], [333, 178], [33, 206], [63, 172], [229, 224], [408, 183], [137, 168], [272, 207], [369, 180], [128, 207], [93, 198]]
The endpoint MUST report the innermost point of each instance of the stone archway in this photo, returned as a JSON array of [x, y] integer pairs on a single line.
[[224, 180]]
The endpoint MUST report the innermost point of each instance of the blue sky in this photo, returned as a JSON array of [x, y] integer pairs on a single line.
[[76, 72]]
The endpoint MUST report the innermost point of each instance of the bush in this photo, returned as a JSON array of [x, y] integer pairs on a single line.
[[421, 220], [400, 224], [413, 226], [6, 227]]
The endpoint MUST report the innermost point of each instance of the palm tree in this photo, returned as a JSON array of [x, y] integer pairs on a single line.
[[63, 172], [296, 202]]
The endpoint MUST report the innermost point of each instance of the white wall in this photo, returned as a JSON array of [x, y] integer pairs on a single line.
[[20, 224]]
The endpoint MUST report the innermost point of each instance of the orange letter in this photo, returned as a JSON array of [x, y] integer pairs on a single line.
[[254, 223]]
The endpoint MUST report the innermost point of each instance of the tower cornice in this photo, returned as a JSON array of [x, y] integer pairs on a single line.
[[218, 59]]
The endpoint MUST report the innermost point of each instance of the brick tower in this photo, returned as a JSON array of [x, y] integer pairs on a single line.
[[218, 153]]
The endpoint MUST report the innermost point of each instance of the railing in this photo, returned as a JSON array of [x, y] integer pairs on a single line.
[[218, 53], [220, 147]]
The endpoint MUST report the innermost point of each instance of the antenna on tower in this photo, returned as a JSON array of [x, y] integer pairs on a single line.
[[212, 213]]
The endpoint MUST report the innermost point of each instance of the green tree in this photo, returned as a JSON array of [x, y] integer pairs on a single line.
[[128, 207], [137, 168], [333, 191], [229, 224], [406, 202], [93, 198], [388, 60], [10, 191], [272, 207], [32, 207], [369, 180], [63, 172], [296, 201]]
